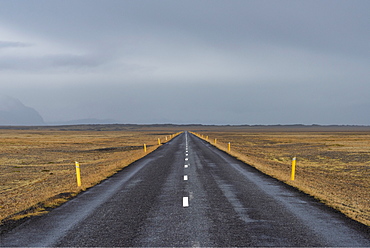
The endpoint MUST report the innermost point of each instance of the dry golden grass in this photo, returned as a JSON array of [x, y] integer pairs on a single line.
[[38, 171], [38, 165], [331, 166]]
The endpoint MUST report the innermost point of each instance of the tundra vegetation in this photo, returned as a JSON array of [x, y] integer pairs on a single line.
[[333, 163], [38, 164], [38, 170]]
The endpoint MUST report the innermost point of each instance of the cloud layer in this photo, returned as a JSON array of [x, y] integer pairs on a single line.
[[221, 62]]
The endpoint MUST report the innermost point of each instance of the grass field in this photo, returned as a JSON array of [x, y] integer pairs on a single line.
[[332, 165], [38, 165]]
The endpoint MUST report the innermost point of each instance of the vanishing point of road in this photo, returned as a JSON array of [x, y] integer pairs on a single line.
[[188, 193]]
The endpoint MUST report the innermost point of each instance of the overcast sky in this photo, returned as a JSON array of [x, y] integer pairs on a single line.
[[189, 61]]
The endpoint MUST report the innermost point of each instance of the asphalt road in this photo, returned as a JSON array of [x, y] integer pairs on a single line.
[[188, 193]]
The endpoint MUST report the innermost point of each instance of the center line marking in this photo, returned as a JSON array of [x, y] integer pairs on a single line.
[[186, 166], [185, 202], [186, 159], [185, 177]]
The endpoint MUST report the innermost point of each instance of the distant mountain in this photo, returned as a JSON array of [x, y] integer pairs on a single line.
[[85, 121], [14, 112]]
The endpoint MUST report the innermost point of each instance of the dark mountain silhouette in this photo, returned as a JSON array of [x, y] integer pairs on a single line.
[[14, 112], [85, 121]]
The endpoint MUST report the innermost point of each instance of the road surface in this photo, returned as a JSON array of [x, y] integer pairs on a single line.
[[188, 193]]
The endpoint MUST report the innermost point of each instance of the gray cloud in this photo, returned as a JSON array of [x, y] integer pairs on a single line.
[[208, 103], [44, 63], [254, 62], [12, 44]]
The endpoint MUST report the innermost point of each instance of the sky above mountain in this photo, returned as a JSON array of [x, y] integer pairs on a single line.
[[193, 61]]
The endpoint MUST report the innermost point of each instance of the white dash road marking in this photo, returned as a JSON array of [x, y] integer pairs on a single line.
[[185, 202], [186, 159], [185, 177], [186, 166]]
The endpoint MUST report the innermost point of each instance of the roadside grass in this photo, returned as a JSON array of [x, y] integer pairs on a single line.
[[38, 171], [38, 166], [334, 167]]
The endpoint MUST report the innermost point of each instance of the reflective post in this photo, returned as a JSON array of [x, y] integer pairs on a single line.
[[292, 175], [78, 174]]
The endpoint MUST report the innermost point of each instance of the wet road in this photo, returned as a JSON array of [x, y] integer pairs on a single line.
[[187, 193]]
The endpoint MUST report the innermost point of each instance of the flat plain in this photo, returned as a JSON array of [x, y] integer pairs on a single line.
[[38, 171], [38, 164], [333, 163]]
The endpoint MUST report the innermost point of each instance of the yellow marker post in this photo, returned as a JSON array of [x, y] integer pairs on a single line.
[[229, 146], [215, 141], [144, 147], [159, 141], [206, 137], [292, 175], [78, 174]]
